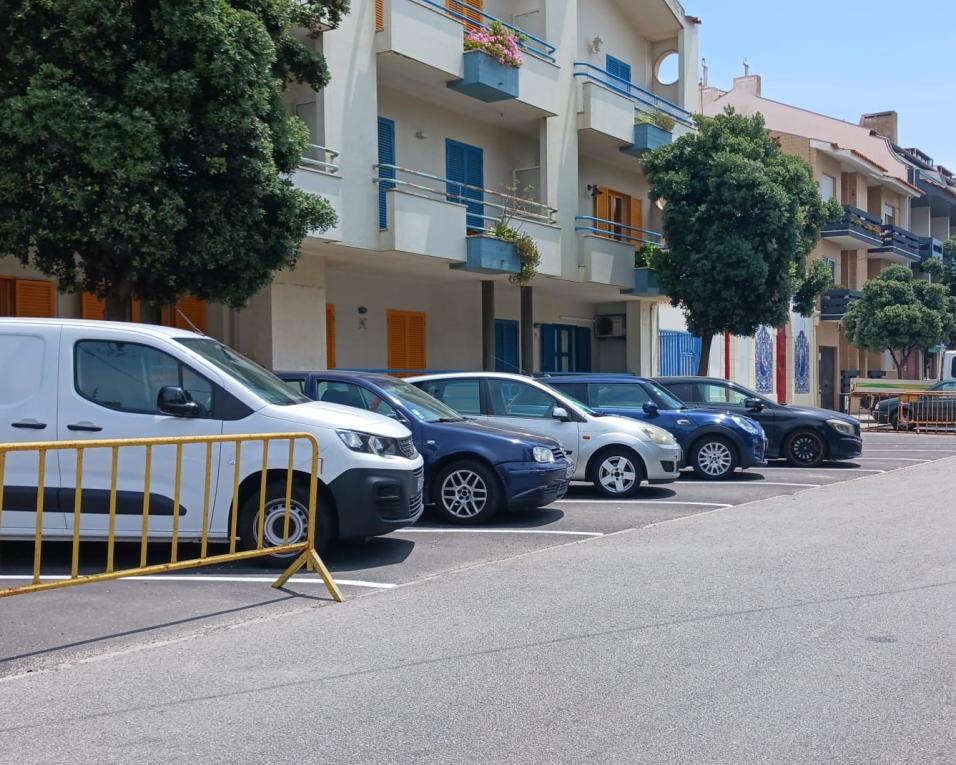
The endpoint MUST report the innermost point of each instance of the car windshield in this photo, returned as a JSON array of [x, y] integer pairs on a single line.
[[667, 398], [260, 381], [423, 406]]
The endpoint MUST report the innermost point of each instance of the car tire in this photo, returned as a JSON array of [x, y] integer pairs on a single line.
[[805, 449], [714, 458], [466, 492], [247, 527], [617, 472]]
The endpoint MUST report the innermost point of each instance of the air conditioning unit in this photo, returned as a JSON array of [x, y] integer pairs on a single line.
[[611, 325]]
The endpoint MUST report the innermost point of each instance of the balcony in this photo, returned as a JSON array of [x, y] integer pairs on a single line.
[[607, 251], [858, 230], [318, 173], [430, 215], [898, 245], [421, 50], [835, 302], [930, 248], [611, 108]]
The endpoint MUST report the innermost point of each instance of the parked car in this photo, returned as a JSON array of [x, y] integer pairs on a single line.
[[75, 379], [616, 454], [802, 435], [471, 469], [928, 409], [714, 444]]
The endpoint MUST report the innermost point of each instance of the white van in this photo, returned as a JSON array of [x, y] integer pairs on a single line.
[[68, 379], [948, 372]]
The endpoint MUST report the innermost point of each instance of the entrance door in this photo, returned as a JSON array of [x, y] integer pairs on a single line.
[[827, 373], [464, 165], [506, 345]]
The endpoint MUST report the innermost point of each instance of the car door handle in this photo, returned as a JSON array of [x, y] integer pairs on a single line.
[[86, 427], [29, 425]]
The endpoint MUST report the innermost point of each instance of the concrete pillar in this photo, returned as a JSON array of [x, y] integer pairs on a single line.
[[527, 330], [488, 326], [940, 228], [689, 58], [920, 221], [641, 318]]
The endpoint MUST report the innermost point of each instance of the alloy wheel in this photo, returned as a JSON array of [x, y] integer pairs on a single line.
[[714, 458], [464, 494], [805, 448], [617, 474]]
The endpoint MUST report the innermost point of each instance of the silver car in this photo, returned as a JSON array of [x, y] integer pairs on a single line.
[[615, 453]]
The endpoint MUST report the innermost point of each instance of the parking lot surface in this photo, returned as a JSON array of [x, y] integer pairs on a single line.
[[77, 624]]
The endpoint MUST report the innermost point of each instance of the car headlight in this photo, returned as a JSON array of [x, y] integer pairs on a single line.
[[658, 435], [841, 427], [366, 442], [747, 424], [541, 454]]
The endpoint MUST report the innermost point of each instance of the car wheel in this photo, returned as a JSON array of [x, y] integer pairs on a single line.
[[617, 473], [466, 492], [273, 526], [714, 458], [805, 449]]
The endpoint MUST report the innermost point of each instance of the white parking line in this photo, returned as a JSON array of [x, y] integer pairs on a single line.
[[210, 578], [499, 531], [821, 469], [889, 459], [914, 449], [712, 484], [638, 502]]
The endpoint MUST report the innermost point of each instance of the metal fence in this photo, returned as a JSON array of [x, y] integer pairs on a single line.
[[680, 352], [145, 448], [927, 411]]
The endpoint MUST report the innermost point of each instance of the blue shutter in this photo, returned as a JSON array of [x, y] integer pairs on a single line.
[[506, 345], [548, 351], [386, 156], [464, 164], [582, 349], [618, 68]]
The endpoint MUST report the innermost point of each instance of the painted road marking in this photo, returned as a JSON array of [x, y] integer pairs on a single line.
[[890, 459], [710, 484], [638, 502], [820, 469], [497, 531], [914, 449], [210, 578]]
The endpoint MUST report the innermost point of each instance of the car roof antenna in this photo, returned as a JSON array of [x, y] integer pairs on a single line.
[[185, 318]]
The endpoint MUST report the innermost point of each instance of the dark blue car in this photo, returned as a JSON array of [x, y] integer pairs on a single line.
[[714, 444], [471, 469]]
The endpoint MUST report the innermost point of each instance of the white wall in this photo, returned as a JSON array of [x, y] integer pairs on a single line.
[[624, 176], [604, 19]]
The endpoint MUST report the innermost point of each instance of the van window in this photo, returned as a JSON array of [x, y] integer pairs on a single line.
[[25, 354], [129, 376], [952, 368]]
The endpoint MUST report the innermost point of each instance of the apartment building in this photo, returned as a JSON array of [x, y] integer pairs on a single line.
[[806, 360]]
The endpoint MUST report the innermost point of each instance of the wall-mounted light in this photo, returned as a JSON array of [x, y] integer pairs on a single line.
[[593, 190], [595, 45], [421, 135]]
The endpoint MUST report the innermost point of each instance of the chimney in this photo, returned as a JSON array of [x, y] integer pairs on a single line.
[[884, 123], [748, 84]]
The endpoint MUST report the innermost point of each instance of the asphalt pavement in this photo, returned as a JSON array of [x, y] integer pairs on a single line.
[[788, 615]]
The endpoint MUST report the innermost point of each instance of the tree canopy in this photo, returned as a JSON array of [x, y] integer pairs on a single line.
[[900, 314], [144, 147], [740, 217]]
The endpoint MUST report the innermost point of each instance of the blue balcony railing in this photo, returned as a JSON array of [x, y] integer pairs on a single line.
[[857, 223], [901, 240], [644, 100], [478, 18], [609, 229], [930, 248]]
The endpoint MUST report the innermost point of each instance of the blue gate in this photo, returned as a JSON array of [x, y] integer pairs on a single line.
[[680, 353]]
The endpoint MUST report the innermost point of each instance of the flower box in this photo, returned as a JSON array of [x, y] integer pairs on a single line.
[[486, 79], [488, 255], [647, 137]]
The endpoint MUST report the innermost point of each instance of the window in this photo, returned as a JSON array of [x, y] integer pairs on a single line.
[[628, 395], [577, 391], [722, 394], [342, 393], [32, 298], [464, 169], [827, 186], [685, 391], [375, 403], [889, 215], [831, 263], [622, 212], [129, 376], [515, 399], [462, 395], [296, 385], [952, 369], [470, 9], [618, 69], [406, 341], [386, 156], [421, 405], [947, 385]]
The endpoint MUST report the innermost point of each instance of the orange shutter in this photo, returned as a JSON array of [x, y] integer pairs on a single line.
[[8, 296], [379, 15], [91, 307], [637, 218], [194, 310], [329, 336], [36, 299], [406, 340], [471, 10]]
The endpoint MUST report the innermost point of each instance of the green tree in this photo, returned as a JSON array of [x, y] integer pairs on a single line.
[[740, 218], [900, 314], [144, 148]]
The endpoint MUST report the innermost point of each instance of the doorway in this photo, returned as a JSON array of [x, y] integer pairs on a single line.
[[827, 372]]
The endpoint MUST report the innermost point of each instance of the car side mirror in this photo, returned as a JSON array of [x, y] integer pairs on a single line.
[[753, 404], [560, 413], [650, 409], [175, 401]]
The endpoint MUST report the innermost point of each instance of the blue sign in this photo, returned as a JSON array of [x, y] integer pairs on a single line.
[[764, 362], [801, 364]]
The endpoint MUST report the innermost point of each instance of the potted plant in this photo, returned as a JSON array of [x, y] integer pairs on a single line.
[[496, 41], [651, 130], [645, 275]]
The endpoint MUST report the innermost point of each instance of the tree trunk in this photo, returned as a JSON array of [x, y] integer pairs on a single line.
[[705, 342], [150, 313], [118, 302], [903, 358]]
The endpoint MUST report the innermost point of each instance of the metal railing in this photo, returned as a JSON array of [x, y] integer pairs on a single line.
[[926, 410], [854, 217], [308, 555], [528, 42], [474, 197], [901, 239], [610, 229], [319, 158], [643, 99]]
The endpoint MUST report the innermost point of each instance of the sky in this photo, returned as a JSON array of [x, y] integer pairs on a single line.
[[844, 58]]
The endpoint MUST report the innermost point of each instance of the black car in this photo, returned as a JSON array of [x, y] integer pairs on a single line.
[[802, 435], [927, 409]]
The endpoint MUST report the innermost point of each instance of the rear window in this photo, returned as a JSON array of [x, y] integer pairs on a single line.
[[683, 391], [461, 395]]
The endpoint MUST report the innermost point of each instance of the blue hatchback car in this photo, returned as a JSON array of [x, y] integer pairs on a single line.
[[714, 444], [471, 469]]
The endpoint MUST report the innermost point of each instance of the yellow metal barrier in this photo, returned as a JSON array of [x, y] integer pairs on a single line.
[[927, 410], [308, 555]]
